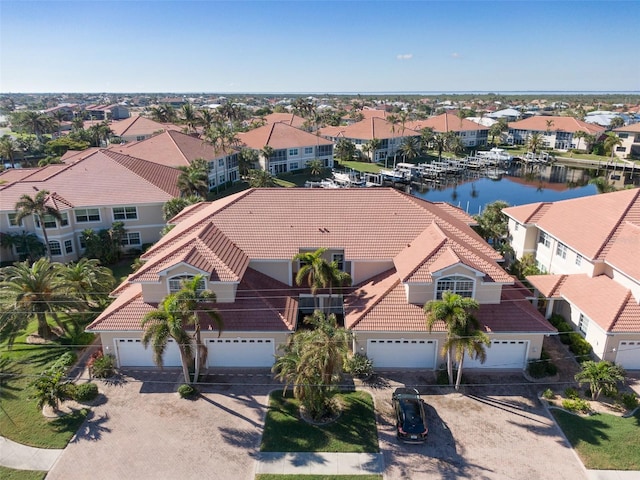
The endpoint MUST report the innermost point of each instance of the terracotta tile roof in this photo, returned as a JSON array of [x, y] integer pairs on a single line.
[[125, 313], [71, 156], [627, 240], [548, 285], [288, 118], [590, 225], [138, 125], [633, 128], [188, 212], [600, 298], [280, 136], [560, 124], [102, 178], [368, 129], [446, 122], [11, 175], [171, 148]]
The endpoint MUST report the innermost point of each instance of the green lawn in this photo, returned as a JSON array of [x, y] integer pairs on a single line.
[[355, 430], [603, 442], [20, 419], [276, 476], [121, 270], [11, 474]]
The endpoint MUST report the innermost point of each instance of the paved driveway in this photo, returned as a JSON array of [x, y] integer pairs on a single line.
[[497, 432], [144, 431]]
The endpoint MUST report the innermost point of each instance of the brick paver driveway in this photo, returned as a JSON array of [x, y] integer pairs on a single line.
[[145, 431]]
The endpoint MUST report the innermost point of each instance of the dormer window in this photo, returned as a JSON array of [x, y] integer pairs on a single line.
[[463, 286], [175, 283]]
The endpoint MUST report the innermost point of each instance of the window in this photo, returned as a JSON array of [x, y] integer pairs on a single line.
[[544, 239], [50, 222], [68, 246], [578, 259], [221, 162], [561, 250], [293, 152], [456, 284], [583, 324], [54, 246], [175, 283], [125, 213], [623, 135], [294, 165], [87, 215], [516, 227], [12, 220], [81, 242], [308, 150], [65, 219], [131, 238], [621, 149], [139, 138], [339, 259]]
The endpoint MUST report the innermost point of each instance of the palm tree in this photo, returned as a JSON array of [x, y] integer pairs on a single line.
[[314, 270], [316, 167], [189, 303], [28, 245], [495, 130], [39, 208], [313, 361], [393, 120], [492, 223], [261, 179], [8, 149], [164, 113], [440, 142], [207, 119], [601, 376], [88, 280], [616, 122], [410, 148], [164, 324], [247, 160], [173, 207], [470, 340], [345, 150], [33, 291], [579, 135], [611, 142], [33, 122], [194, 179], [426, 139], [453, 310], [267, 152], [535, 142], [337, 278], [372, 146], [189, 118]]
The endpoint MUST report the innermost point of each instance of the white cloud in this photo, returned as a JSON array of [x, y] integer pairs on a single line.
[[456, 55], [405, 56]]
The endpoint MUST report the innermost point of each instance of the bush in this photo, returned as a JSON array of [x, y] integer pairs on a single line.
[[187, 391], [543, 367], [629, 400], [65, 361], [359, 365], [571, 393], [85, 392], [576, 405], [579, 346], [548, 394], [104, 366]]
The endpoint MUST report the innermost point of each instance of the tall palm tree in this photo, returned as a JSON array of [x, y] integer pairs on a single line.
[[410, 148], [440, 143], [535, 142], [393, 120], [247, 160], [173, 207], [261, 179], [611, 142], [470, 340], [312, 362], [453, 310], [267, 152], [189, 117], [190, 302], [34, 122], [316, 167], [338, 279], [194, 179], [8, 149], [30, 291], [372, 146], [426, 139], [160, 326], [207, 118], [579, 135], [314, 270], [88, 280], [37, 207]]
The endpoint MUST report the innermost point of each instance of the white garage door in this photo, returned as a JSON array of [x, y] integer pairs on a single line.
[[131, 353], [241, 352], [402, 353], [502, 354], [628, 356]]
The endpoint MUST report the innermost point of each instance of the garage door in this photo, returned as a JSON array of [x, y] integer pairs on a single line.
[[628, 355], [131, 353], [241, 352], [503, 354], [402, 353]]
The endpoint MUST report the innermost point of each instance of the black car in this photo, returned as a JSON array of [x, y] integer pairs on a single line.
[[411, 421]]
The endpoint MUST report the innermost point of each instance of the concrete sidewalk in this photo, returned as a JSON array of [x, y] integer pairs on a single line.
[[612, 475], [22, 457], [320, 463]]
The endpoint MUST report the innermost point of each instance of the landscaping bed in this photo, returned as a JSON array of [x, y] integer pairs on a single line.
[[354, 431]]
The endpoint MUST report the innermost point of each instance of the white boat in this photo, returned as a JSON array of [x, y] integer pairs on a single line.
[[351, 179], [394, 175]]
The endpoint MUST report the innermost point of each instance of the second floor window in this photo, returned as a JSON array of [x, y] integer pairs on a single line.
[[544, 239], [463, 286], [125, 213], [175, 283], [561, 250], [87, 215], [12, 220]]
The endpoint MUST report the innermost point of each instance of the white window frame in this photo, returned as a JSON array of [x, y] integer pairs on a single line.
[[124, 213], [339, 259], [55, 248], [174, 284], [544, 238], [126, 240], [455, 279], [11, 217], [308, 150], [578, 259], [85, 214], [68, 247], [583, 324], [561, 250], [293, 152], [81, 242]]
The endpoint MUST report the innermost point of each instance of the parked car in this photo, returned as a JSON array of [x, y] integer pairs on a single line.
[[411, 421]]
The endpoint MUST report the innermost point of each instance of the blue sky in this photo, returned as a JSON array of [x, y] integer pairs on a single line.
[[318, 47]]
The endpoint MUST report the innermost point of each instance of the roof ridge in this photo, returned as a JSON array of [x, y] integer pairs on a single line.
[[380, 298], [619, 222], [113, 155], [616, 317], [169, 132]]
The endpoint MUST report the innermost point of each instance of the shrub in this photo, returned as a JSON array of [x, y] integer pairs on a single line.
[[187, 391], [442, 378], [65, 361], [359, 365], [85, 392], [543, 367], [629, 400], [571, 393], [548, 394], [576, 405], [103, 366], [579, 346]]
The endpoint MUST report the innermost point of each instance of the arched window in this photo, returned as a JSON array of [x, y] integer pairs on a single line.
[[175, 283], [463, 286]]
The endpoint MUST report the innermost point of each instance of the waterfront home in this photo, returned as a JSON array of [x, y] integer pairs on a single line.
[[91, 192], [630, 136], [470, 133], [137, 128], [557, 132], [590, 249], [399, 250]]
